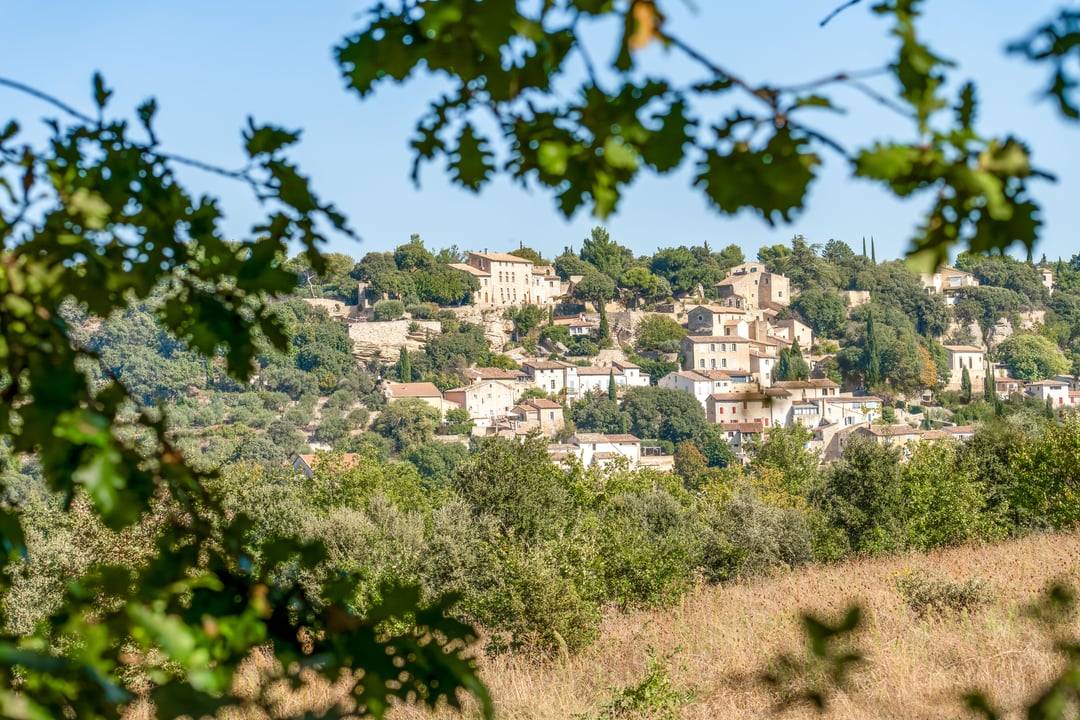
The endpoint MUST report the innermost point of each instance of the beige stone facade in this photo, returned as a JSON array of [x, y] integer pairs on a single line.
[[507, 280], [759, 288]]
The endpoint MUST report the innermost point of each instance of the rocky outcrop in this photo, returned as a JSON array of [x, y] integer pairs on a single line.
[[383, 341]]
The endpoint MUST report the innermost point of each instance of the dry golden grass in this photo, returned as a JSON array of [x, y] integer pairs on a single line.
[[721, 638]]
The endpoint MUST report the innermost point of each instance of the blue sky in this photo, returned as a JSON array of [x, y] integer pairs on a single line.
[[212, 64]]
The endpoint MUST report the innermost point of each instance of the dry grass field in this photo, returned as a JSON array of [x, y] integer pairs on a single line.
[[718, 640]]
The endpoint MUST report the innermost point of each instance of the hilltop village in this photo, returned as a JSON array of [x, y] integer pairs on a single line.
[[757, 345]]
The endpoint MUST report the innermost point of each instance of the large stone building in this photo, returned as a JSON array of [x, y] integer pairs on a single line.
[[756, 286], [507, 280]]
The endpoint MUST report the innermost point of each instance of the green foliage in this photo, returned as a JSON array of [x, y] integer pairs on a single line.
[[747, 536], [604, 254], [946, 502], [929, 596], [654, 696], [404, 366], [786, 450], [516, 484], [861, 496], [658, 333], [823, 310], [791, 365], [599, 414], [385, 310], [648, 549], [113, 227], [595, 287], [663, 414], [1032, 357], [526, 318], [407, 422]]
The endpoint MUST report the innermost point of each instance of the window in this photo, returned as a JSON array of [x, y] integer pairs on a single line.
[[712, 347], [712, 363], [720, 410], [701, 363], [552, 384], [723, 362]]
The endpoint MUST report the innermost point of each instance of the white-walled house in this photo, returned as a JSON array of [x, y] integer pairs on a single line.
[[966, 357], [552, 376], [699, 383], [600, 449], [486, 401], [1058, 392], [424, 391]]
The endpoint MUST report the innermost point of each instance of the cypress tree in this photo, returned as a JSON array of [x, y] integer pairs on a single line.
[[873, 355], [873, 252], [799, 368], [783, 366], [605, 329], [864, 246], [404, 366], [965, 386], [988, 388], [611, 385]]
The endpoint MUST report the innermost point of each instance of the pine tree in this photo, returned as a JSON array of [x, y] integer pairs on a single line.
[[611, 386], [965, 386], [404, 366], [873, 355]]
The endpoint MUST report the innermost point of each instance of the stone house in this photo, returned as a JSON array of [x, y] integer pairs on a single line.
[[715, 320], [507, 280], [486, 401], [552, 376], [538, 414], [715, 352], [947, 281], [759, 288], [968, 357], [424, 391]]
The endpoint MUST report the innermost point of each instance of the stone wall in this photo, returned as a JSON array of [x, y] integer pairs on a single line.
[[384, 340]]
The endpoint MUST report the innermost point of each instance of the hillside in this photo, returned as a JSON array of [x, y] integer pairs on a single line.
[[720, 637]]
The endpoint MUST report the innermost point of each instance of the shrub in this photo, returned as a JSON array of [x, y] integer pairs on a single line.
[[388, 310], [423, 311], [927, 595], [654, 696]]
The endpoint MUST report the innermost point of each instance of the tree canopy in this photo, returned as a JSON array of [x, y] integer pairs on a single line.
[[585, 141]]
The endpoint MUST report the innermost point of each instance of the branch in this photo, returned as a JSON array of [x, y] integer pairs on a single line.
[[837, 11], [243, 174], [33, 92]]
